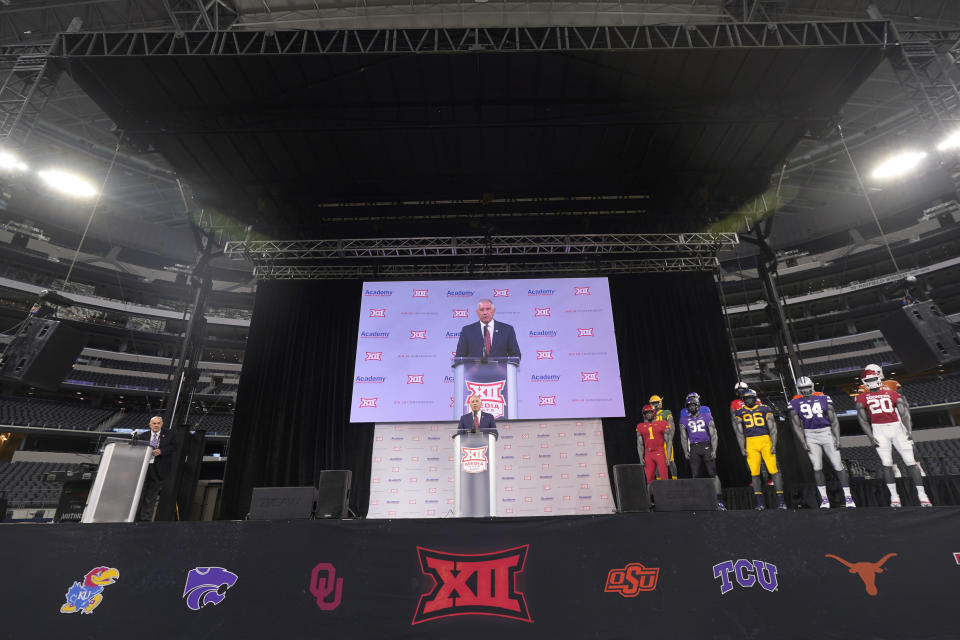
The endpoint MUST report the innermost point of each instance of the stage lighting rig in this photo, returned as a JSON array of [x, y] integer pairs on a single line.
[[69, 184], [898, 165]]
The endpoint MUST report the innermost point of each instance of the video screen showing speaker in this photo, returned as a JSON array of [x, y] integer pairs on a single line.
[[42, 353], [921, 336]]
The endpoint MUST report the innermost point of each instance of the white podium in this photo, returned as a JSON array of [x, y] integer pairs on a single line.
[[115, 496]]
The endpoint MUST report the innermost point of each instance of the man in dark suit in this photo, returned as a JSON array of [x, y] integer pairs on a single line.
[[487, 336], [475, 419], [164, 450]]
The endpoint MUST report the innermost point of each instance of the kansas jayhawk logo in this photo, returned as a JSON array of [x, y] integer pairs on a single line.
[[87, 595]]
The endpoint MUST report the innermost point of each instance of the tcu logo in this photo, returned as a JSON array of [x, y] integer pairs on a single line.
[[474, 460], [747, 574], [632, 579], [545, 355], [418, 334], [582, 291], [585, 333], [548, 401], [491, 395], [323, 582], [378, 313], [373, 355], [589, 376], [368, 402], [538, 312], [420, 293], [460, 313], [501, 293], [478, 584], [414, 378]]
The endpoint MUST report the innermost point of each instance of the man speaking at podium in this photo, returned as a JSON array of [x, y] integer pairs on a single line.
[[486, 337], [475, 419]]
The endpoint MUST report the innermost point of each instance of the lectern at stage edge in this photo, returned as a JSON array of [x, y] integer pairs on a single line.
[[494, 379], [115, 496], [474, 481]]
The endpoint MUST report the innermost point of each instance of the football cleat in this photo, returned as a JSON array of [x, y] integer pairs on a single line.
[[895, 503], [759, 507], [849, 504], [720, 506], [781, 506], [824, 503], [926, 503]]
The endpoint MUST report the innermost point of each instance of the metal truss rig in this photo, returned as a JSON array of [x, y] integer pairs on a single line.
[[763, 35]]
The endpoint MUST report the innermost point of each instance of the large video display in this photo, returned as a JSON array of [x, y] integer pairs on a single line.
[[549, 352]]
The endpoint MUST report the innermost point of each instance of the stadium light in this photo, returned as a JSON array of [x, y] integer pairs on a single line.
[[899, 164], [951, 142], [10, 162], [67, 183]]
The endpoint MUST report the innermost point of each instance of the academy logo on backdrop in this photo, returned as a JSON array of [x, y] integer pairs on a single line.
[[491, 395], [325, 586], [207, 585], [746, 573], [472, 584], [632, 579], [86, 596], [867, 571]]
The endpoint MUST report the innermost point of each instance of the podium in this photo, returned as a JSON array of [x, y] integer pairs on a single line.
[[115, 496], [494, 379], [474, 481]]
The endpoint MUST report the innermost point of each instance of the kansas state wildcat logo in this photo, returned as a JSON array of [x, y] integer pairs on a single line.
[[207, 585]]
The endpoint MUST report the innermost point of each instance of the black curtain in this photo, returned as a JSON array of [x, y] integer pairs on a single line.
[[293, 405]]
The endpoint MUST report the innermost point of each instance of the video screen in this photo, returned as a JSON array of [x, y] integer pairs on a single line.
[[529, 349]]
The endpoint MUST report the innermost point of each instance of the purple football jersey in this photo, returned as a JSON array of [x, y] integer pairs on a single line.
[[812, 410], [696, 426]]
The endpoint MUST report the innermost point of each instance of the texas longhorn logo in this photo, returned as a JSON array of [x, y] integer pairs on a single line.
[[87, 595], [490, 394], [473, 584], [207, 585], [631, 580], [866, 570]]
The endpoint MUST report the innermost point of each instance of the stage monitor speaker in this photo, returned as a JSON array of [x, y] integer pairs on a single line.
[[630, 483], [694, 494], [333, 493], [921, 336], [282, 503], [42, 353]]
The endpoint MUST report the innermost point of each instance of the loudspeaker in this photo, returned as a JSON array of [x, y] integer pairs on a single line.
[[333, 493], [282, 503], [630, 483], [694, 494], [42, 353], [921, 336]]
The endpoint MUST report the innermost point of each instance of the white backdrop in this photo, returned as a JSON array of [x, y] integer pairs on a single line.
[[545, 467]]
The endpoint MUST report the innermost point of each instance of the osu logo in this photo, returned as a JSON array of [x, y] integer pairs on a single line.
[[373, 355], [581, 291], [538, 312], [418, 334], [368, 402], [378, 313], [747, 574], [460, 313], [414, 378], [632, 579], [867, 571], [420, 293], [585, 333], [548, 401], [589, 376], [501, 293], [545, 355], [207, 585], [323, 583], [473, 584]]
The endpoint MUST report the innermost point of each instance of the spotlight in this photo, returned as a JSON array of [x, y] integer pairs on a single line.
[[898, 165], [10, 162], [67, 183], [951, 142]]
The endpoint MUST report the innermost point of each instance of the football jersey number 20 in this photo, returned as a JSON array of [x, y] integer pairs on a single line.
[[880, 404]]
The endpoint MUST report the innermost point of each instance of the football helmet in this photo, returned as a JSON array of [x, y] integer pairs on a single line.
[[692, 402], [750, 398], [739, 388], [648, 408], [805, 386], [657, 402], [872, 377]]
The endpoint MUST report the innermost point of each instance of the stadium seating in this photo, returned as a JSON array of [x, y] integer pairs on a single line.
[[52, 414], [25, 486]]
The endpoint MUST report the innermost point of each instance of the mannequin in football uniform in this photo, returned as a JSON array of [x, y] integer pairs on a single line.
[[885, 417], [654, 443], [814, 420], [756, 430], [735, 405], [698, 437], [665, 414]]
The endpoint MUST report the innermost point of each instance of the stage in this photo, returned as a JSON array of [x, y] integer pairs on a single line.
[[735, 574]]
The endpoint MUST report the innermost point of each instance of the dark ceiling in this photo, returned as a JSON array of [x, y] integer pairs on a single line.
[[690, 133]]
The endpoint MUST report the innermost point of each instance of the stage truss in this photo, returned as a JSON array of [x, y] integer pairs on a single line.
[[482, 255]]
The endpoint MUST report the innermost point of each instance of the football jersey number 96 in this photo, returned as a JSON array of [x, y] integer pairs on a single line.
[[753, 420]]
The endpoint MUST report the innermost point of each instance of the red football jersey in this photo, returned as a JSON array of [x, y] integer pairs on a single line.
[[736, 405], [881, 405], [652, 433]]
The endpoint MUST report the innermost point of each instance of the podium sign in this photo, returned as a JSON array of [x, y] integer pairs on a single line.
[[494, 379], [474, 480], [115, 496]]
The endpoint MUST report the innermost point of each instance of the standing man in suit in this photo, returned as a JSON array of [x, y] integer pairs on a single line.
[[475, 419], [486, 337], [164, 450]]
